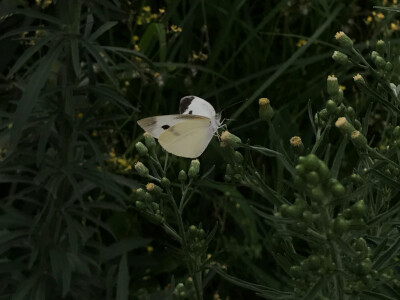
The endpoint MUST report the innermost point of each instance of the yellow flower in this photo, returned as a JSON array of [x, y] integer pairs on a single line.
[[342, 87], [394, 26], [146, 8], [394, 1], [94, 133], [161, 10], [175, 28], [137, 48], [150, 249], [112, 152], [135, 38], [127, 83], [380, 16], [80, 115], [153, 16], [301, 42], [156, 74], [369, 19], [374, 13]]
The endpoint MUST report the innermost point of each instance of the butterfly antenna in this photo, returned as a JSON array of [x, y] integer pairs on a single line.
[[233, 104]]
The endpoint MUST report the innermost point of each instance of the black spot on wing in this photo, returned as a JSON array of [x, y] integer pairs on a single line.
[[190, 112], [184, 104], [165, 126]]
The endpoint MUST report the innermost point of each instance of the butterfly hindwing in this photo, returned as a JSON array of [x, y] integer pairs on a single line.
[[187, 139], [157, 125]]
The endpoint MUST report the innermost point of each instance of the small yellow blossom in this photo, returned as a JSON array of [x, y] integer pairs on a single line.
[[150, 249], [394, 26], [137, 48], [380, 16], [374, 13], [146, 8], [94, 133], [80, 115], [237, 205], [156, 74], [342, 87], [153, 16], [127, 83], [112, 152], [301, 42], [175, 28], [135, 38], [161, 10], [394, 1], [369, 19]]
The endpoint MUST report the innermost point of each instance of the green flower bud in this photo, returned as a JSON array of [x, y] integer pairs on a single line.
[[359, 79], [297, 144], [311, 162], [344, 126], [347, 214], [358, 140], [323, 114], [194, 168], [296, 272], [365, 267], [361, 245], [140, 205], [155, 207], [332, 85], [149, 140], [165, 183], [381, 47], [359, 209], [331, 107], [374, 55], [357, 124], [338, 190], [229, 170], [314, 262], [141, 149], [318, 194], [323, 171], [344, 41], [341, 225], [294, 212], [351, 113], [148, 198], [229, 139], [300, 203], [238, 157], [299, 182], [380, 62], [312, 178], [396, 131], [182, 177], [154, 189], [140, 193], [193, 230], [265, 111], [283, 209], [340, 58], [141, 169], [308, 216]]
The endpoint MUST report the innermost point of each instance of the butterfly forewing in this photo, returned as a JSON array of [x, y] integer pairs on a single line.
[[193, 105]]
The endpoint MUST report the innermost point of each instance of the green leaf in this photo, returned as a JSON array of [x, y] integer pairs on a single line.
[[124, 246], [123, 279], [101, 30], [337, 162], [31, 94], [388, 255], [315, 289]]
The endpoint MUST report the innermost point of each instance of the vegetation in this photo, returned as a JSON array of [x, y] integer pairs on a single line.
[[297, 199]]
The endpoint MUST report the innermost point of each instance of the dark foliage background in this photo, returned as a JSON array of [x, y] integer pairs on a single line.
[[76, 75]]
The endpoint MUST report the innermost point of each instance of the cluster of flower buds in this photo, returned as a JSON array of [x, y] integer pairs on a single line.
[[235, 169], [356, 137], [145, 201], [196, 237], [184, 291]]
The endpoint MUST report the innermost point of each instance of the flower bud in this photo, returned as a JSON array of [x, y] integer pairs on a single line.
[[149, 140], [357, 124], [140, 205], [358, 139], [359, 209], [323, 114], [332, 85], [229, 139], [351, 113], [297, 144], [359, 79], [140, 193], [152, 188], [388, 67], [182, 177], [141, 149], [341, 225], [265, 111], [360, 245], [331, 107], [340, 58], [312, 178], [238, 157], [344, 126], [194, 168], [381, 47], [323, 171], [311, 162], [338, 189], [396, 131], [374, 55], [344, 41], [141, 169], [380, 62], [165, 183]]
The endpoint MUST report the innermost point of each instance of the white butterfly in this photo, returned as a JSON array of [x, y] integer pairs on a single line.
[[187, 134]]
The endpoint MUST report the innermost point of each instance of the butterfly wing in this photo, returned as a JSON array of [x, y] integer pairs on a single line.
[[189, 138], [193, 105], [158, 124]]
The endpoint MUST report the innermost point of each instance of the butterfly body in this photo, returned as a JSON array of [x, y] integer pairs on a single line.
[[187, 134]]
